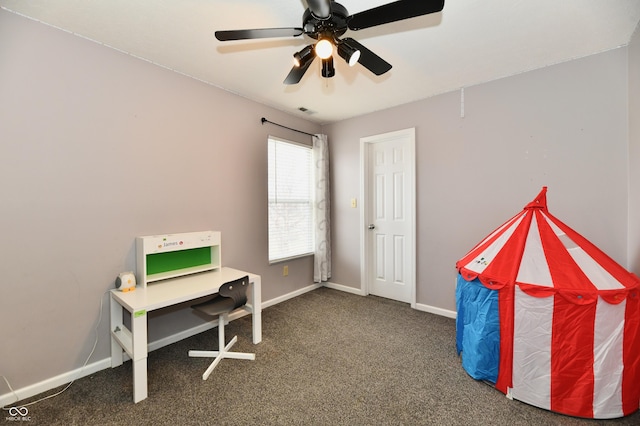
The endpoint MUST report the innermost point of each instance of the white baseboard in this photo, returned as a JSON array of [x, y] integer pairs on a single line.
[[28, 391], [54, 382], [345, 288], [291, 295], [418, 306], [435, 310]]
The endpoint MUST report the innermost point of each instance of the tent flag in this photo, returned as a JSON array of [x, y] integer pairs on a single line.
[[550, 318]]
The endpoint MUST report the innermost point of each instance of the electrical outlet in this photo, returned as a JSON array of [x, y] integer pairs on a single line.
[[285, 271]]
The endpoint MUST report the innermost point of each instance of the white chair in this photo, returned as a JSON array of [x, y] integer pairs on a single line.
[[231, 296]]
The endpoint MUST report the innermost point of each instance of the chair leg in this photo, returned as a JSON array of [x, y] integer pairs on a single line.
[[203, 354], [223, 350], [221, 321], [213, 365]]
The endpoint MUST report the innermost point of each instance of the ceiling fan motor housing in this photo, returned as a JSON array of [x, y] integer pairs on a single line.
[[331, 27]]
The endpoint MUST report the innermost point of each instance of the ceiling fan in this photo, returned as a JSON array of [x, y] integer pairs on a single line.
[[326, 21]]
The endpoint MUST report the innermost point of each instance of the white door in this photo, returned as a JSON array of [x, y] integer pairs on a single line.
[[388, 163]]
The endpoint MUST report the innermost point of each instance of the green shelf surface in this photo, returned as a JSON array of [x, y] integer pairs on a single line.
[[158, 263]]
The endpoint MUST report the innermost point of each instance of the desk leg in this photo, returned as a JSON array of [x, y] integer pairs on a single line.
[[139, 361], [256, 315], [116, 321]]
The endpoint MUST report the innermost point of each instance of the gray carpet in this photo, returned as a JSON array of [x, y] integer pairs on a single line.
[[327, 358]]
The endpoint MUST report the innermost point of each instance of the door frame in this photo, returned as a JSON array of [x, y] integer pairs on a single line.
[[365, 185]]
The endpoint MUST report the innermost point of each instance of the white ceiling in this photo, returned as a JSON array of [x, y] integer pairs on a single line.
[[469, 42]]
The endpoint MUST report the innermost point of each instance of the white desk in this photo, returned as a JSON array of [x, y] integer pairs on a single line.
[[162, 294]]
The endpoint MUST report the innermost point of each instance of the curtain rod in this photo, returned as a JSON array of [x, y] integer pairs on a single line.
[[264, 120]]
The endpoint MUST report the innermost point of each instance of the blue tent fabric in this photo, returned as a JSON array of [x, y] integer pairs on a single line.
[[478, 329]]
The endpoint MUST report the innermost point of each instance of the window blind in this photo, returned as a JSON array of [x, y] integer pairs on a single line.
[[290, 200]]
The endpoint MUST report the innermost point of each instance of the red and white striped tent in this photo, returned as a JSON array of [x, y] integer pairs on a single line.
[[569, 316]]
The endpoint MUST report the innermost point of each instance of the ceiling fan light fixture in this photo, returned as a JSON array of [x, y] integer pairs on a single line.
[[349, 54], [324, 48], [328, 69], [303, 57]]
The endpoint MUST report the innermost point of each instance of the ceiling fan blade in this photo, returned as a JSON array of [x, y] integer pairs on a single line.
[[321, 9], [368, 59], [296, 73], [395, 11], [257, 33]]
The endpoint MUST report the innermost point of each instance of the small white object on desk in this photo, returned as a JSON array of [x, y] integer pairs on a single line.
[[126, 281]]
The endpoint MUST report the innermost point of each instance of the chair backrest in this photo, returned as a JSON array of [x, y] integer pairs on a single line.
[[236, 290]]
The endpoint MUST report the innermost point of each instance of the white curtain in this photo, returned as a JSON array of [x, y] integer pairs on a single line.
[[322, 222]]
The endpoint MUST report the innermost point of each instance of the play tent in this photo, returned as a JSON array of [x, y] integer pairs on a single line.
[[549, 318]]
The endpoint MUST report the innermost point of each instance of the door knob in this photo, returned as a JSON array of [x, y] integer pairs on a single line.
[[372, 226]]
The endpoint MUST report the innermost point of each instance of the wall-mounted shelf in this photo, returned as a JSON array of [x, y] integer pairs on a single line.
[[160, 257]]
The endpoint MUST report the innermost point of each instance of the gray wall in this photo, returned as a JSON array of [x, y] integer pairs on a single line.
[[96, 148], [564, 126], [634, 152]]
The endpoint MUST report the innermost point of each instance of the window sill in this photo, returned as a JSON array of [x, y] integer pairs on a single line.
[[286, 259]]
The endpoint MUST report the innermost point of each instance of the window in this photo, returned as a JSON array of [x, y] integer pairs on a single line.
[[290, 200]]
